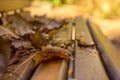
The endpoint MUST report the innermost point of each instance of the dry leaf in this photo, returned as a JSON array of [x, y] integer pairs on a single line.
[[21, 44], [8, 33], [54, 51], [17, 24], [5, 52], [38, 39]]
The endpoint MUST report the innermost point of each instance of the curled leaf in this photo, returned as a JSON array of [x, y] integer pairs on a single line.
[[54, 51]]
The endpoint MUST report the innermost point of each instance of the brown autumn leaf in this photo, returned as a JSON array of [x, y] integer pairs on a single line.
[[45, 24], [5, 52], [38, 39], [17, 24], [50, 51], [52, 33], [6, 38], [52, 25], [17, 44], [8, 33], [41, 19], [81, 41], [22, 23], [20, 49], [49, 23], [21, 44]]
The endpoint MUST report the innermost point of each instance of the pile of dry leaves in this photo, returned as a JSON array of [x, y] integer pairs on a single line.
[[22, 35]]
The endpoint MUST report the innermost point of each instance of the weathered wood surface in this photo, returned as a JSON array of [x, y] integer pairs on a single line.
[[51, 70], [88, 65], [82, 32], [109, 55]]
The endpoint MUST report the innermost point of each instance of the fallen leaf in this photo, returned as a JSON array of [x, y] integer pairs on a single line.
[[38, 39], [5, 52], [17, 24], [54, 51], [21, 44], [8, 33]]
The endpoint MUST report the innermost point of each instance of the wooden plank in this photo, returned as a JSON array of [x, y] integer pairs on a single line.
[[82, 32], [88, 65], [63, 71], [109, 55], [50, 70]]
